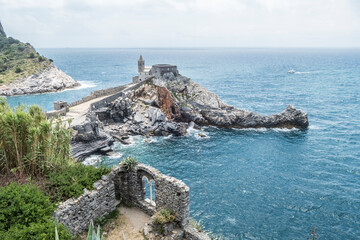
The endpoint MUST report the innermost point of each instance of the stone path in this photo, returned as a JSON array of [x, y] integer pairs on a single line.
[[78, 113]]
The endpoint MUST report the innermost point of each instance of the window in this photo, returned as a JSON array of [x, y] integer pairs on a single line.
[[149, 189]]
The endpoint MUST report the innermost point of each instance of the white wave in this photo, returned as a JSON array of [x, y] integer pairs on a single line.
[[302, 72], [314, 127], [266, 129], [252, 129], [92, 160], [115, 155], [285, 129], [83, 85], [86, 84], [150, 140], [168, 136]]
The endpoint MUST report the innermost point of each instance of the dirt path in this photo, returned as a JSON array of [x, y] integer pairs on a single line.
[[131, 221]]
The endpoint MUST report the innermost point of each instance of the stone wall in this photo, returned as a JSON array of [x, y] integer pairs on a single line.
[[169, 192], [98, 93], [55, 113], [77, 213]]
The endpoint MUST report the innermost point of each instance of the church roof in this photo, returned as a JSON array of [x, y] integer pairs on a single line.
[[164, 65]]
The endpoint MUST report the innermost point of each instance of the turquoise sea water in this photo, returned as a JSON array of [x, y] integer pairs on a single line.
[[250, 184]]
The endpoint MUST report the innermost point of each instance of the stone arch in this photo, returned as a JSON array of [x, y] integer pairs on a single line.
[[147, 180]]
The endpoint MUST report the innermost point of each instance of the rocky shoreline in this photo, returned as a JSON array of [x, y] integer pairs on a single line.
[[164, 106], [51, 79]]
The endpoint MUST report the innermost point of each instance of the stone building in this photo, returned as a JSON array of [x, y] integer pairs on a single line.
[[159, 70]]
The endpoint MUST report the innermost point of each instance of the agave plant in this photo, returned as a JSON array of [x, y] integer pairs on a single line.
[[91, 233], [56, 233]]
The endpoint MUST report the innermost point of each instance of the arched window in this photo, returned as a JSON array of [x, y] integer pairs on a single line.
[[149, 189]]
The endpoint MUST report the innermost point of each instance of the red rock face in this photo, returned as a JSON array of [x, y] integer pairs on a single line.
[[166, 103]]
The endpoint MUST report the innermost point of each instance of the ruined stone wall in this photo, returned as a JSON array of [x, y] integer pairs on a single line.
[[127, 185], [76, 214], [169, 192]]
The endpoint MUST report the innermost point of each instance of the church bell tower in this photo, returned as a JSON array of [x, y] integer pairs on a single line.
[[141, 64]]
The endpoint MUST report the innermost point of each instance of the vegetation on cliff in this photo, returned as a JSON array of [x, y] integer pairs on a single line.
[[36, 172], [18, 60]]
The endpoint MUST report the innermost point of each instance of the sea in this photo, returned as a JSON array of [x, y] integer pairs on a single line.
[[251, 183]]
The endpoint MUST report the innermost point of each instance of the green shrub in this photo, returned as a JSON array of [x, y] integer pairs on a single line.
[[32, 55], [18, 69], [129, 162], [26, 213], [21, 48], [40, 58], [36, 231], [31, 144], [23, 204], [71, 181], [164, 216]]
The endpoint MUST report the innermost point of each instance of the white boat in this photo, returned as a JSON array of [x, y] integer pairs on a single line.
[[292, 71]]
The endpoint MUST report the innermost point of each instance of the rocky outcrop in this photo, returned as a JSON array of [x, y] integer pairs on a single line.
[[51, 79], [160, 107], [89, 137]]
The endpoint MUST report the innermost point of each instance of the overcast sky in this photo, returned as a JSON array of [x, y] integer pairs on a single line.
[[183, 23]]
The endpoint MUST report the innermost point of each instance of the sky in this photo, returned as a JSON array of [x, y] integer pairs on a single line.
[[183, 23]]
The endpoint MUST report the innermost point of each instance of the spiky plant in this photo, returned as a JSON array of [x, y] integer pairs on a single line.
[[91, 232]]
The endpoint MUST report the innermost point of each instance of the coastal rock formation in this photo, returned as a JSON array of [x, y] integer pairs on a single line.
[[51, 79], [161, 107], [89, 137]]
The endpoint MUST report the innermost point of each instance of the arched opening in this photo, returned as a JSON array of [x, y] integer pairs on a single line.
[[149, 190]]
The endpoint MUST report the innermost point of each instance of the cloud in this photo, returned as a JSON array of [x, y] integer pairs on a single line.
[[186, 23]]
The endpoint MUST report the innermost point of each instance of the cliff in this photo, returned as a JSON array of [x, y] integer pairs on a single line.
[[25, 71]]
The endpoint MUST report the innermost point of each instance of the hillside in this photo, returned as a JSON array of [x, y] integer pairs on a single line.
[[25, 71], [18, 60]]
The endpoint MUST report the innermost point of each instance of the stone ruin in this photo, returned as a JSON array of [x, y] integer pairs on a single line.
[[129, 187]]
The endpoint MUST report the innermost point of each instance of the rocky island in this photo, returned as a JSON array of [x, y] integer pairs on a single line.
[[160, 102], [25, 71]]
